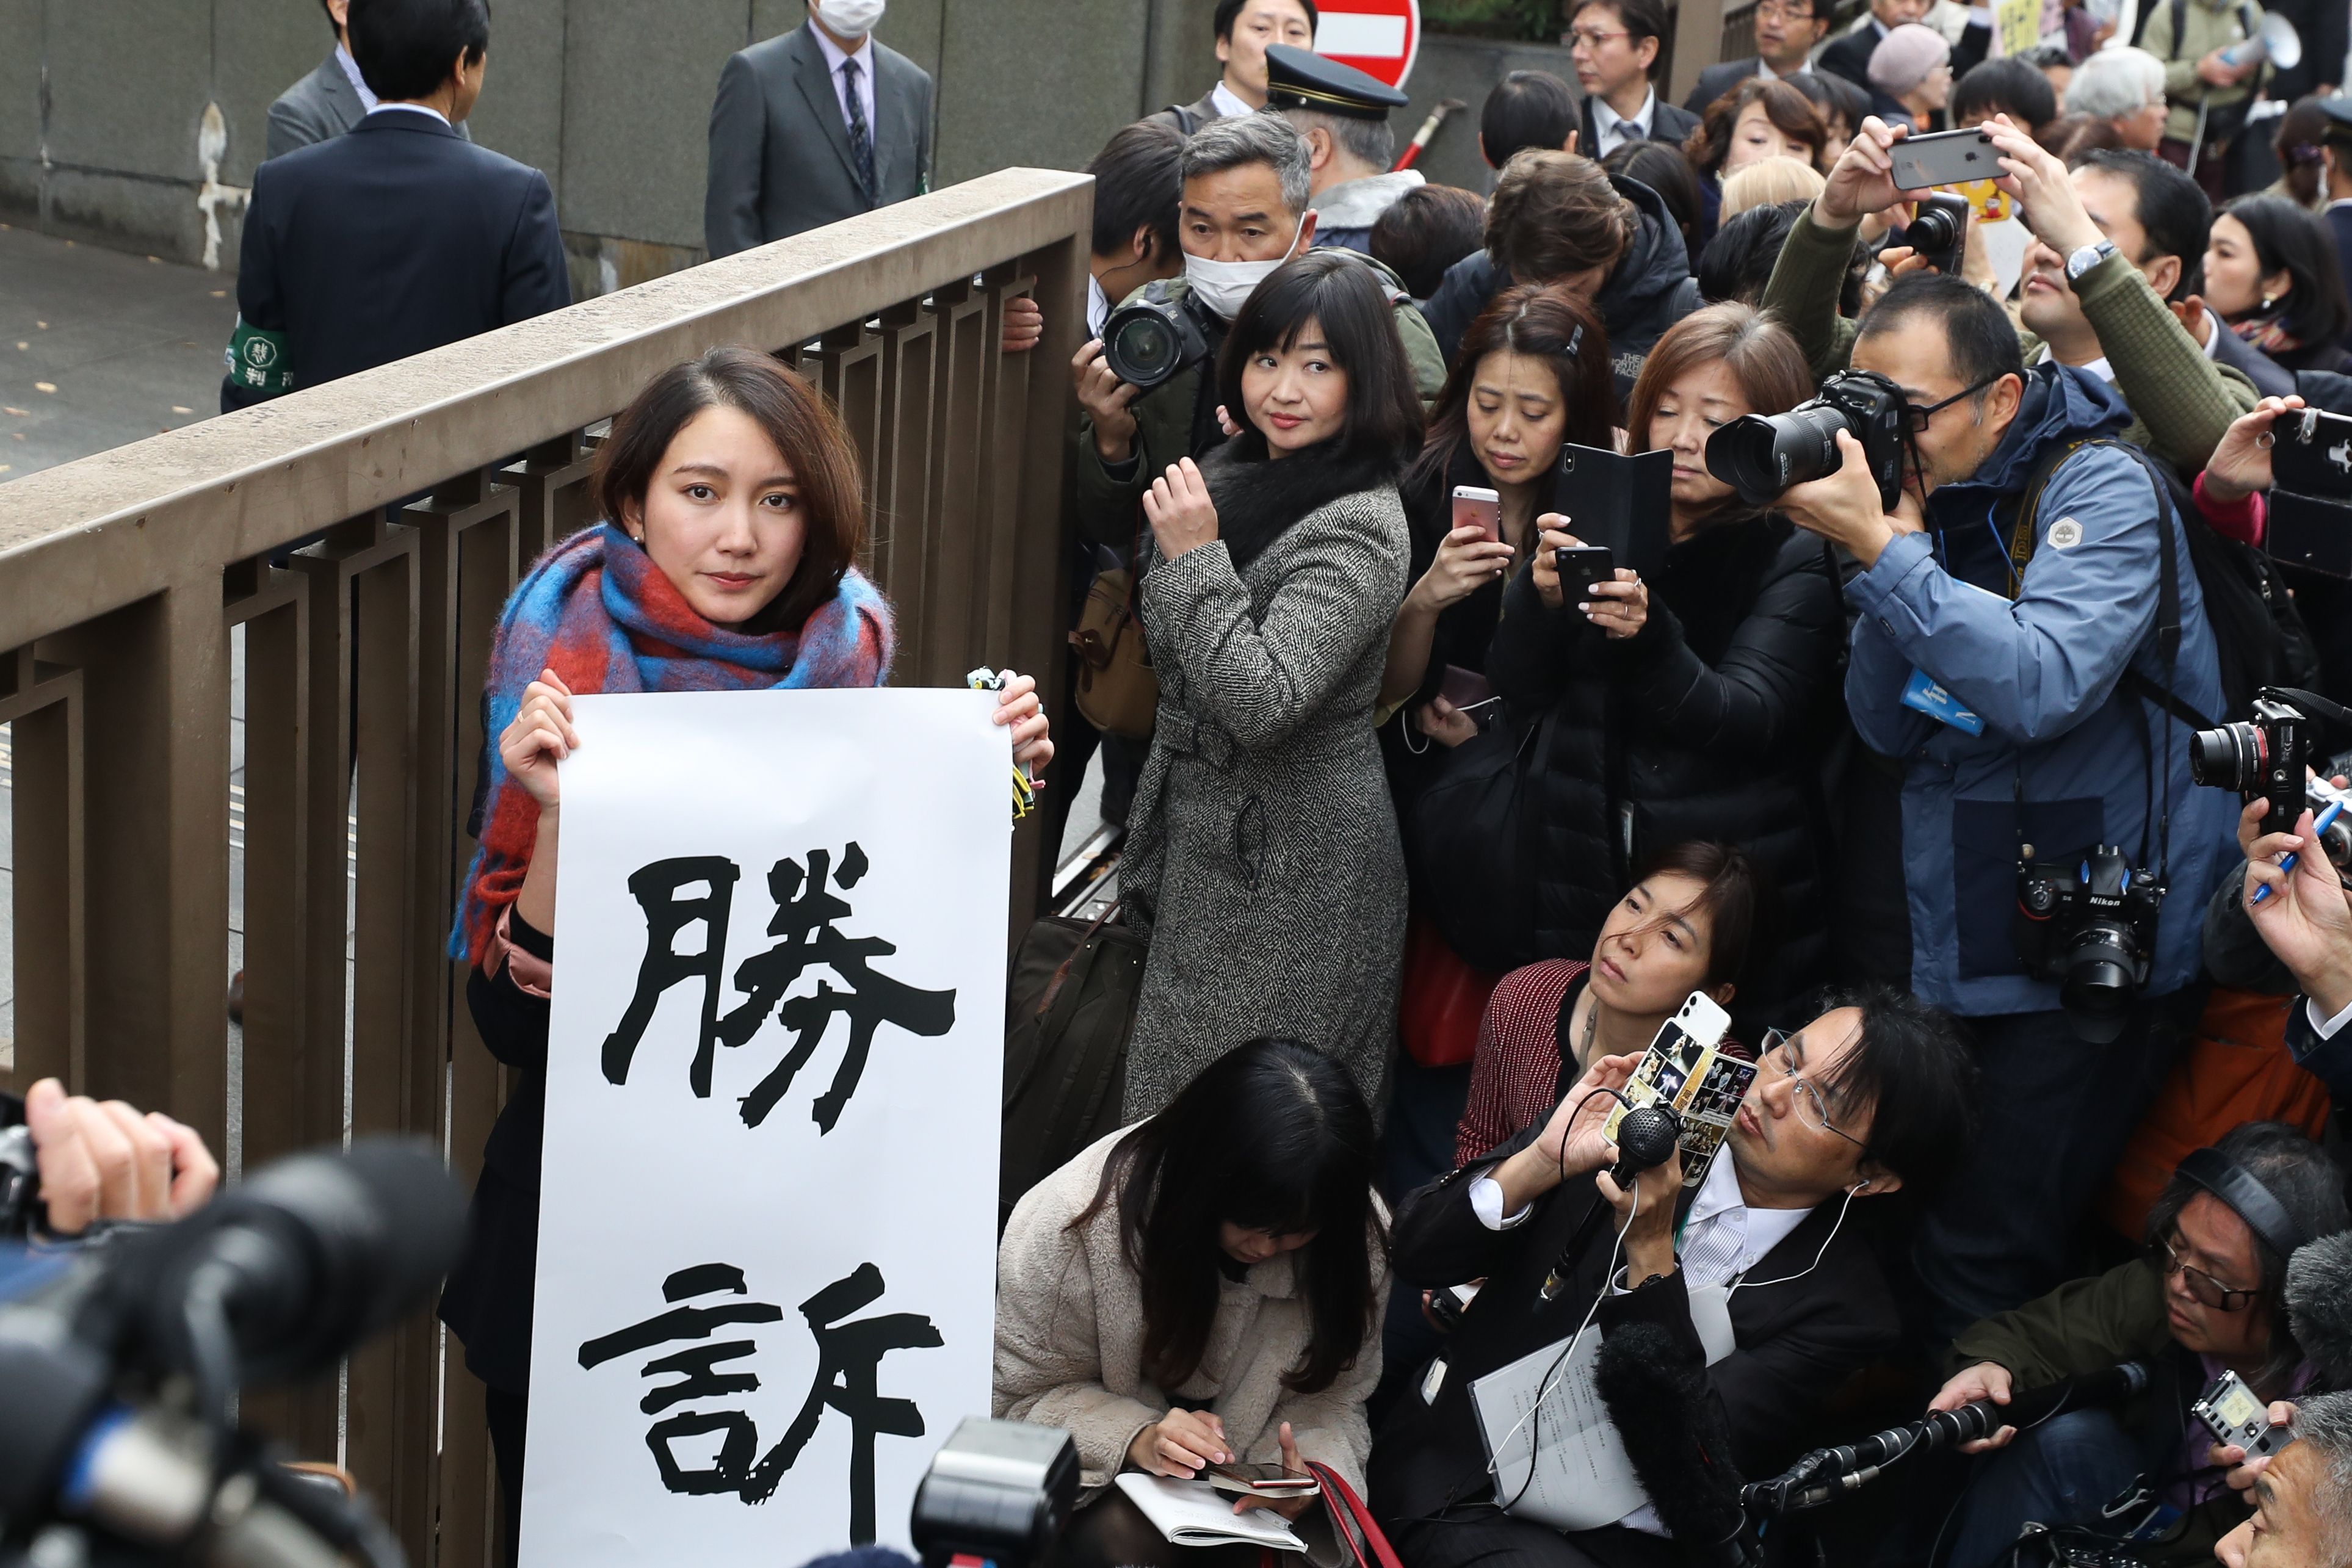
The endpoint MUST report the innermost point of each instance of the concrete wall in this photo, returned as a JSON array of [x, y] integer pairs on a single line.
[[104, 104]]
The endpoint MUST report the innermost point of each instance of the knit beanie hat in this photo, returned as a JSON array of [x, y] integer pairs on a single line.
[[1905, 57]]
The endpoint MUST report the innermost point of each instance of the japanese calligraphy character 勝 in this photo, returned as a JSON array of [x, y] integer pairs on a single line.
[[686, 891], [849, 1356]]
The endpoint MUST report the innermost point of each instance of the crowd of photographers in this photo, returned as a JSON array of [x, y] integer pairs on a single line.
[[1719, 571], [1938, 664]]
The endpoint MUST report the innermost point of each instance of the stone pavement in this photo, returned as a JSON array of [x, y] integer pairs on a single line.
[[99, 348]]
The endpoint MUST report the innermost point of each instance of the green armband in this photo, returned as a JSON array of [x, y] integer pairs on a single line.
[[257, 360]]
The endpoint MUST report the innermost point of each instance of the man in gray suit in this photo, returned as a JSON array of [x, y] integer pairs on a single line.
[[329, 100], [818, 125]]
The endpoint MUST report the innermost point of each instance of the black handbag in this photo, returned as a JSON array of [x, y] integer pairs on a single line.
[[1473, 843], [1070, 1007]]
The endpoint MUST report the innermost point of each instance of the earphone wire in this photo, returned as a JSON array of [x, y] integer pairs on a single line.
[[1851, 1193], [1558, 1369]]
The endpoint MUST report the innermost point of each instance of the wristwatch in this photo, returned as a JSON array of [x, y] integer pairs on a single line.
[[2089, 256]]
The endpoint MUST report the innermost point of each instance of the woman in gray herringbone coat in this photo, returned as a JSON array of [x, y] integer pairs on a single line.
[[1263, 860]]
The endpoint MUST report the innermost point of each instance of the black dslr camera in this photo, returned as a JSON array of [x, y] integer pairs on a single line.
[[1760, 456], [2091, 926], [1147, 341], [2262, 756]]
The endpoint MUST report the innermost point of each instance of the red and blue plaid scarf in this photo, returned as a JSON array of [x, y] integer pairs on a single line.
[[599, 612]]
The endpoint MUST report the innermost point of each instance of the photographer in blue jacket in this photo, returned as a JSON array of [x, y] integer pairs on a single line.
[[2008, 653]]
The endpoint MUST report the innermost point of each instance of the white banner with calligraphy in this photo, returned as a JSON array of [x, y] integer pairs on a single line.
[[767, 1258]]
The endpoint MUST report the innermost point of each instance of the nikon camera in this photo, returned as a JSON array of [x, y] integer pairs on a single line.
[[1760, 456], [2088, 924], [1150, 340]]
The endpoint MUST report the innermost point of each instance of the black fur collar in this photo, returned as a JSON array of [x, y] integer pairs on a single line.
[[1257, 498]]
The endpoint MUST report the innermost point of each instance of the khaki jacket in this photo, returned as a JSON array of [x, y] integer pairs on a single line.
[[2206, 25]]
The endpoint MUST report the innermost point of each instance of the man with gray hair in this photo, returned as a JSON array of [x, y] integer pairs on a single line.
[[1247, 182], [2124, 88], [1344, 115], [2303, 1499]]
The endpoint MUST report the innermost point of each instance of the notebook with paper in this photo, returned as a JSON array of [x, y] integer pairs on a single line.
[[1193, 1514]]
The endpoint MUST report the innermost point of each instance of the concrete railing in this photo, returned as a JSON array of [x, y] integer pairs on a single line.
[[126, 577]]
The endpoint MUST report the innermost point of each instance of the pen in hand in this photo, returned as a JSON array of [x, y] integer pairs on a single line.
[[2325, 820]]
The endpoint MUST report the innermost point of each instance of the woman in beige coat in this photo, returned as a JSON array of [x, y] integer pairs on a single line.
[[1204, 1287]]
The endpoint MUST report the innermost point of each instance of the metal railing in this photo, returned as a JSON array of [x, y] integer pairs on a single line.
[[124, 576]]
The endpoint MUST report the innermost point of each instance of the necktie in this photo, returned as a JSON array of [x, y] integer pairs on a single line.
[[861, 141]]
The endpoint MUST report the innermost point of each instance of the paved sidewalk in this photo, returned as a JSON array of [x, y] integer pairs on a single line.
[[99, 347]]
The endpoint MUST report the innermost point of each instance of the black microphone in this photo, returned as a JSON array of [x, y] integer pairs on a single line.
[[2319, 1305], [1674, 1433], [1646, 1139], [304, 1261]]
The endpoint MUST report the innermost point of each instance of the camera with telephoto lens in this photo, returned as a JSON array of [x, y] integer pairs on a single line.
[[1150, 338], [2262, 756], [1938, 231], [2088, 922], [1761, 454]]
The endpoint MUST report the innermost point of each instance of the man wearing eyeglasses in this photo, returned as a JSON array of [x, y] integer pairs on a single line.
[[1870, 1097], [1614, 44], [1785, 32], [2207, 1297], [2009, 657]]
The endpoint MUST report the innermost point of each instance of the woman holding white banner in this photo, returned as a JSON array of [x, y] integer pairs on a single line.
[[1263, 860], [733, 510], [1203, 1290]]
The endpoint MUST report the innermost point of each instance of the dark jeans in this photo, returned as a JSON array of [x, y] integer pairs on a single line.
[[1489, 1539], [2059, 1473], [507, 1414], [2056, 1112]]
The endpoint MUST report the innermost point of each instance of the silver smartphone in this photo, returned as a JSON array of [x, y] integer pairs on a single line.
[[1943, 158]]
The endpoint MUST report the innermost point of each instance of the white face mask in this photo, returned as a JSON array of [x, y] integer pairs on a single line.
[[849, 18], [1223, 286]]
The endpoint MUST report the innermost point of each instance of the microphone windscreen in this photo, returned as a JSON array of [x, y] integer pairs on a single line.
[[1674, 1431], [1646, 1137], [2319, 1304]]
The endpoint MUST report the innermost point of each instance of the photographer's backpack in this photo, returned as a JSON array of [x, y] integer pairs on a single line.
[[2257, 632]]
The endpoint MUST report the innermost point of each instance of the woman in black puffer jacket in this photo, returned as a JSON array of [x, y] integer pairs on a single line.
[[1701, 705]]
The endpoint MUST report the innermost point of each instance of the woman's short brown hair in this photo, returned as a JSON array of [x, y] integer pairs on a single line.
[[793, 415], [1763, 358], [1791, 113], [1553, 214]]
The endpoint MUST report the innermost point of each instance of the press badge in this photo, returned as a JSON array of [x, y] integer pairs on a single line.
[[1927, 698]]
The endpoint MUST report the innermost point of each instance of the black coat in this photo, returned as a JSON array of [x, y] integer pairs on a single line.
[[1649, 291], [1668, 124], [1711, 724], [395, 237], [1849, 54], [1718, 79], [1796, 1341]]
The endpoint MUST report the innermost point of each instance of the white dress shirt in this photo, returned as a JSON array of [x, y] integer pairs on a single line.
[[834, 60], [2098, 367], [1229, 104], [1097, 307], [411, 109], [351, 75], [1722, 1238], [2327, 1028], [1611, 130]]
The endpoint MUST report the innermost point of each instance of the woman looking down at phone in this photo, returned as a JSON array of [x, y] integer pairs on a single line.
[[1263, 862], [1696, 706], [1201, 1289], [1534, 375], [732, 516]]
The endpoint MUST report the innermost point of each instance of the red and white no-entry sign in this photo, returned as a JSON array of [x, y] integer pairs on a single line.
[[1378, 37]]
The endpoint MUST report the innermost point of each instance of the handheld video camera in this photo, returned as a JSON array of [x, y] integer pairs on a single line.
[[2262, 756], [1150, 340], [2311, 492], [2089, 924], [1760, 456]]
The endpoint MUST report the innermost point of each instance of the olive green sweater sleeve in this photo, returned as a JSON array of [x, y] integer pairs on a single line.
[[2081, 1327], [1802, 295], [2181, 402]]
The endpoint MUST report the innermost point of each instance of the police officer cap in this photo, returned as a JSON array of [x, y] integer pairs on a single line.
[[1300, 79], [2338, 111]]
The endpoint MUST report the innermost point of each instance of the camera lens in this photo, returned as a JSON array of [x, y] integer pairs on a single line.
[[2229, 757], [1141, 349], [2099, 984], [1933, 230], [1760, 456]]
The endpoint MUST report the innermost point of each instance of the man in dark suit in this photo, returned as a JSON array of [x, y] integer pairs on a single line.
[[1615, 45], [1785, 32], [399, 235], [329, 101], [1871, 1096], [2336, 170], [816, 125], [1246, 29], [1849, 57]]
